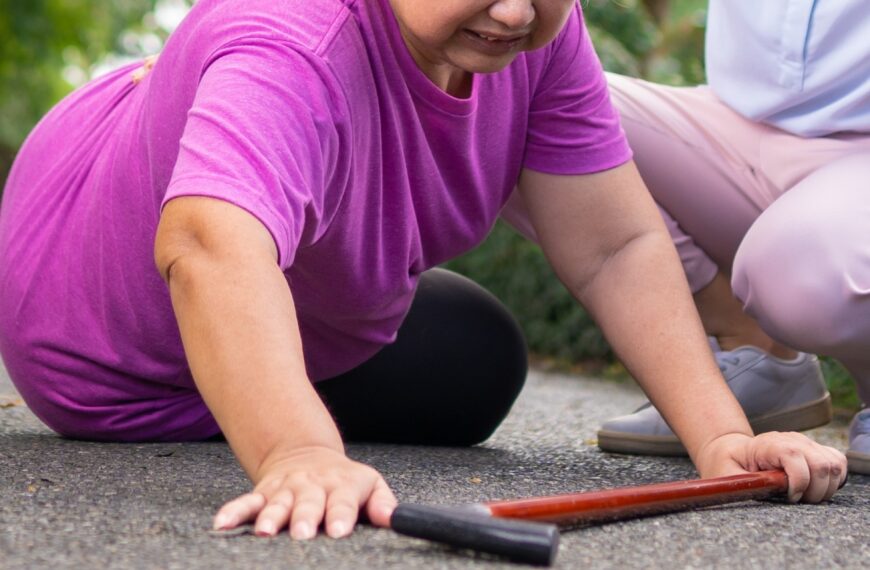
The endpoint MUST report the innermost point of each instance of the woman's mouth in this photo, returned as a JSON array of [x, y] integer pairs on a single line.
[[494, 44], [495, 38]]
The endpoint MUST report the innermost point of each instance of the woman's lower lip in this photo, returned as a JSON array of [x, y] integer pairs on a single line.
[[496, 47]]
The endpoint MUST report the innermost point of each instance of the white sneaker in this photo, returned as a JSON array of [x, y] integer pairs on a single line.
[[776, 395], [859, 443]]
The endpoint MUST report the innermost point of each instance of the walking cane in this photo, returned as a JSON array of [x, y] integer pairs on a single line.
[[505, 528]]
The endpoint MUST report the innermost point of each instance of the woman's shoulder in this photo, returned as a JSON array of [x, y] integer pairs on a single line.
[[567, 43], [572, 48], [301, 22]]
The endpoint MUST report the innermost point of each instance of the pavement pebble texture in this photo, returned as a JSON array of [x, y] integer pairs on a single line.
[[73, 504]]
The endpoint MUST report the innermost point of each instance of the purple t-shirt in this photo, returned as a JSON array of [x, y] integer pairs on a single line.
[[312, 116]]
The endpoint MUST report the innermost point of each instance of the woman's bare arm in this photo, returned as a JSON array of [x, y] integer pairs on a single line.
[[237, 320], [605, 239]]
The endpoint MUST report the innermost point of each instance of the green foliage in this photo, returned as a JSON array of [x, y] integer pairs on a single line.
[[623, 34], [664, 49], [41, 41]]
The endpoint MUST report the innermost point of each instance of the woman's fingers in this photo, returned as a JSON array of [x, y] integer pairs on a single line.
[[306, 487], [799, 476], [344, 504], [275, 514], [838, 474], [841, 469], [308, 512], [814, 471], [239, 511], [342, 510], [834, 480], [381, 504]]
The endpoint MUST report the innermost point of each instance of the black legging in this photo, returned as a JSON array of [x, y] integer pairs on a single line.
[[457, 366]]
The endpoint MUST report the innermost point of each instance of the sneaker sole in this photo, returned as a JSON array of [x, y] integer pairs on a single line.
[[858, 462], [808, 416]]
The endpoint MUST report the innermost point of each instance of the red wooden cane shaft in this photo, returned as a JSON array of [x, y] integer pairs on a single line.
[[629, 502]]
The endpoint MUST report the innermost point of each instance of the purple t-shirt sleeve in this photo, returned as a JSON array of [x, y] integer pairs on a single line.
[[573, 127], [263, 134]]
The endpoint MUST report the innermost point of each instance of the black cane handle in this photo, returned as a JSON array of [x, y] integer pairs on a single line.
[[521, 541]]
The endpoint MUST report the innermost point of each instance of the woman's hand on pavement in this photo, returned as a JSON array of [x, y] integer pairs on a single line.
[[305, 487], [814, 471]]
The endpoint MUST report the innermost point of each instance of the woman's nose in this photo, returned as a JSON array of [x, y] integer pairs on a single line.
[[514, 14]]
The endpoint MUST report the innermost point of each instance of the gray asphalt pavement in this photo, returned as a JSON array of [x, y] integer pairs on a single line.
[[71, 504]]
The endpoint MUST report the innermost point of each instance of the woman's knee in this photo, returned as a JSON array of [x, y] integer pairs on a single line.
[[473, 323], [803, 269], [485, 351], [451, 377]]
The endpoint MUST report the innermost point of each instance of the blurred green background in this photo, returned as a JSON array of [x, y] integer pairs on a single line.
[[49, 47]]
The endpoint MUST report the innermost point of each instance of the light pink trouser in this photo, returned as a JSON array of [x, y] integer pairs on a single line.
[[787, 217]]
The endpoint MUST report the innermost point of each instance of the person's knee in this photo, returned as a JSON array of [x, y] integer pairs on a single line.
[[480, 326], [803, 280], [457, 366], [489, 354]]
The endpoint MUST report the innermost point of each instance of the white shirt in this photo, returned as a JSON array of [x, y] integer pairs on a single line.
[[800, 65]]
